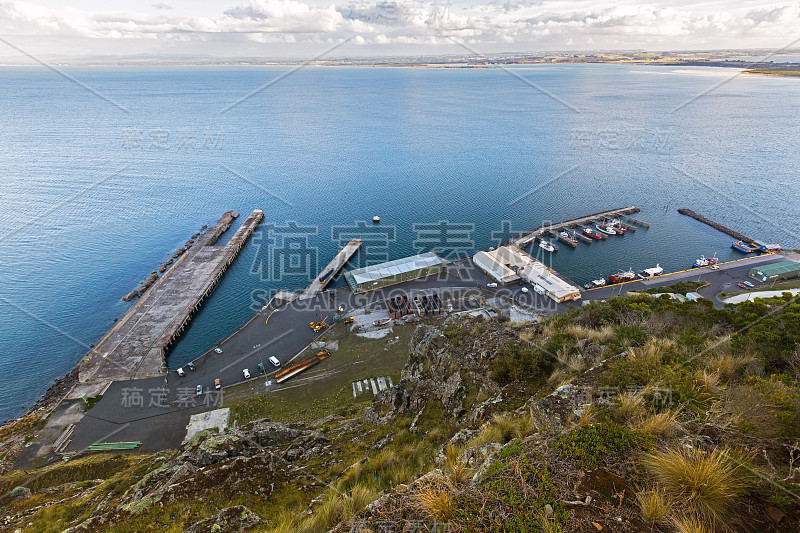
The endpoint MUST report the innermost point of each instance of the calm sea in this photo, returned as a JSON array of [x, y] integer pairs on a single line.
[[96, 193]]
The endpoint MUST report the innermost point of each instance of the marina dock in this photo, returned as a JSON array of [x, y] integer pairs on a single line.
[[719, 227], [330, 271], [137, 344], [528, 238]]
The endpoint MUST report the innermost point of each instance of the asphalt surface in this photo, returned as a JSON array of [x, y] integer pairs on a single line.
[[157, 410]]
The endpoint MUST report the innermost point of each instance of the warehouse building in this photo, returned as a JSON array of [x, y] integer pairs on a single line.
[[776, 271], [392, 272], [508, 263]]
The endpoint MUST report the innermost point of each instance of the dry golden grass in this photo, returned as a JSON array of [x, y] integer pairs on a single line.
[[727, 365], [652, 351], [664, 425], [558, 378], [630, 405], [691, 524], [434, 500], [505, 427], [353, 474], [577, 363], [336, 507], [654, 505], [709, 382], [595, 336], [706, 485]]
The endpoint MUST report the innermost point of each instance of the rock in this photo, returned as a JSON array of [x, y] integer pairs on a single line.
[[327, 420], [20, 493], [774, 514], [371, 416], [130, 296], [231, 520], [162, 268], [477, 455], [548, 510]]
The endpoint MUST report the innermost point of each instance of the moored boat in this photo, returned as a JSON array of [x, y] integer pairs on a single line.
[[592, 233], [604, 228], [596, 283], [617, 226], [568, 238], [705, 261], [621, 277], [648, 273], [743, 247], [548, 246]]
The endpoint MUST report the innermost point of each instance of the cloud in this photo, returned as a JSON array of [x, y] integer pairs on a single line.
[[510, 24]]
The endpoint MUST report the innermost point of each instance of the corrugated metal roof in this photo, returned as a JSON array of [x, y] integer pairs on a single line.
[[394, 268], [777, 268]]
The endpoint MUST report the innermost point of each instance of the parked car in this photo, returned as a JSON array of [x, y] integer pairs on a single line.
[[261, 368], [246, 373], [492, 285], [748, 284], [524, 289], [191, 366], [218, 350], [199, 390], [181, 372], [714, 267], [741, 286], [274, 360], [217, 384]]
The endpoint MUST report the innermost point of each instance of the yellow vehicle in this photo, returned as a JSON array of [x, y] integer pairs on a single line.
[[317, 326], [349, 320]]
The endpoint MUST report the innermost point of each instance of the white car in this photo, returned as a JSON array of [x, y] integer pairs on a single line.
[[218, 350], [492, 285], [524, 289], [714, 267], [246, 373], [199, 390], [181, 372], [748, 284], [274, 360]]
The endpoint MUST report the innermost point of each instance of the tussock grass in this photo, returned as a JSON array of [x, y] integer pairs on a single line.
[[434, 500], [595, 336], [729, 366], [691, 524], [335, 508], [353, 474], [504, 428], [654, 504], [707, 485], [630, 405], [559, 377], [709, 382], [665, 425]]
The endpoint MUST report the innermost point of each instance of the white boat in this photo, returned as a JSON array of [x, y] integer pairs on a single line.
[[376, 219], [548, 246], [648, 273], [605, 229], [596, 283]]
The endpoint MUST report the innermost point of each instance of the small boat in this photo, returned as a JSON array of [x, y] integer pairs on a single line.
[[743, 247], [621, 277], [596, 283], [604, 228], [376, 219], [592, 233], [616, 225], [705, 261], [568, 238], [548, 246], [648, 273]]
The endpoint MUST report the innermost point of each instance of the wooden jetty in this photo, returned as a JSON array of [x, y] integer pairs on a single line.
[[735, 234], [528, 238], [137, 344], [328, 273]]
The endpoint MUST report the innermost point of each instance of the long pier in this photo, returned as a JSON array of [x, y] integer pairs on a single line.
[[719, 227], [328, 273], [137, 344], [526, 239]]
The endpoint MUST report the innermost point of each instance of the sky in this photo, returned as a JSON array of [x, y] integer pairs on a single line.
[[306, 28]]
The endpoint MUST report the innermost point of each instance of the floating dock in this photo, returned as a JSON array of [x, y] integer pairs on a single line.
[[330, 271], [528, 238], [137, 344]]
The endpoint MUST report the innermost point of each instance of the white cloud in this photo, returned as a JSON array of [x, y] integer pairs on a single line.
[[510, 25]]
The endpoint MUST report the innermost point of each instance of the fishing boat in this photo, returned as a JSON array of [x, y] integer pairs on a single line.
[[605, 228], [617, 226], [592, 233], [743, 247], [621, 277], [548, 246], [648, 273], [596, 283], [705, 261], [568, 238]]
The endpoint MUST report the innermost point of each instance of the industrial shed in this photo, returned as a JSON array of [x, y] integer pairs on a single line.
[[391, 272], [776, 271], [502, 263]]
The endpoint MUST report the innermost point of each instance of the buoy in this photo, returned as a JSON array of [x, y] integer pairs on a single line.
[[376, 219]]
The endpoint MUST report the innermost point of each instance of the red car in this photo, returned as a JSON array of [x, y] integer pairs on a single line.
[[741, 286], [217, 384]]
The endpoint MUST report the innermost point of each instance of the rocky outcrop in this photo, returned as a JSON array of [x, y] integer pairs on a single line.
[[231, 520]]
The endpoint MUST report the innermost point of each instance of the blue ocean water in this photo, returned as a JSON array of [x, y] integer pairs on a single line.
[[95, 197]]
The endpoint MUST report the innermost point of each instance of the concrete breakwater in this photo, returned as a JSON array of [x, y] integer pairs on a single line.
[[136, 345], [735, 234]]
